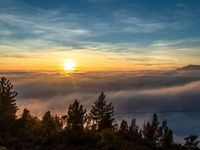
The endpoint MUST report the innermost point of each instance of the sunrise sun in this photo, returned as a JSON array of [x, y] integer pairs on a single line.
[[69, 65]]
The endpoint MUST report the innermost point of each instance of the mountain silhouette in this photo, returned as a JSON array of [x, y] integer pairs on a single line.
[[190, 67]]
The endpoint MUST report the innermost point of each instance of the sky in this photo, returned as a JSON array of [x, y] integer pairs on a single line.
[[56, 51], [99, 35]]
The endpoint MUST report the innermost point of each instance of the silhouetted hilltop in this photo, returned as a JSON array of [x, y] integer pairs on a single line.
[[190, 67]]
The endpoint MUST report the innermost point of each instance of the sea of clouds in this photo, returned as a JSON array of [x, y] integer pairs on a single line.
[[137, 91]]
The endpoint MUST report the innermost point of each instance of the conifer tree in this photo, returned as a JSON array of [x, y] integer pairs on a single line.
[[123, 126], [76, 116], [123, 129], [102, 113], [26, 115], [8, 106], [134, 131], [150, 130], [166, 135], [28, 127], [25, 123], [51, 125], [133, 127]]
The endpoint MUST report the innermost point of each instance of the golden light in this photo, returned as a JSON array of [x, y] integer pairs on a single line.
[[69, 65]]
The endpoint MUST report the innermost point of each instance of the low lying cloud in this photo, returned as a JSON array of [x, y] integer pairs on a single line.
[[130, 92], [171, 98]]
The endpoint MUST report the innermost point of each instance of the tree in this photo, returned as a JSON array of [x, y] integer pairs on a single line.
[[123, 130], [150, 130], [134, 131], [102, 113], [123, 126], [51, 125], [76, 116], [166, 135], [25, 123], [8, 106], [27, 130], [191, 141]]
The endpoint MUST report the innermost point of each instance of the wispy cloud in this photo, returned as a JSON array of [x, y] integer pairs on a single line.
[[172, 43], [48, 26], [134, 24]]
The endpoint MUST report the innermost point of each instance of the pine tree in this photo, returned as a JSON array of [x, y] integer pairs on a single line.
[[123, 126], [25, 123], [123, 129], [134, 131], [8, 106], [102, 113], [26, 115], [150, 131], [166, 135], [28, 127], [76, 116], [51, 126]]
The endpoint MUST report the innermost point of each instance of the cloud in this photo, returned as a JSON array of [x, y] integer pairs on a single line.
[[148, 91], [172, 43], [171, 98], [54, 83], [49, 27], [135, 24]]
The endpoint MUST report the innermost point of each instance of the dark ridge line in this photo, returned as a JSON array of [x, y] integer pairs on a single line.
[[159, 112]]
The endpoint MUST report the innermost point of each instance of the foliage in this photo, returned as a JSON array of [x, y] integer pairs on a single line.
[[166, 135], [76, 116], [102, 113], [8, 106], [151, 132]]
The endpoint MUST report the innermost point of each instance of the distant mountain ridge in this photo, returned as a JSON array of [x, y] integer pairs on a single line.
[[190, 67]]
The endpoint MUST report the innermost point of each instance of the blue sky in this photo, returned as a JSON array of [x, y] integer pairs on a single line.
[[168, 28]]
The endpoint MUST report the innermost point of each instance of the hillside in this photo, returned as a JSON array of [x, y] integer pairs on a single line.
[[190, 67]]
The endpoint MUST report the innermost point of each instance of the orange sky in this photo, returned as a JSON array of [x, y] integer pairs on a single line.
[[85, 61]]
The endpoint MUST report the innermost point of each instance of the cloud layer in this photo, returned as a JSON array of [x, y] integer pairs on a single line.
[[148, 91]]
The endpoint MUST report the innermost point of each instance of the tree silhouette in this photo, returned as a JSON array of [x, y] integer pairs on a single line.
[[27, 130], [135, 134], [25, 123], [51, 127], [150, 130], [123, 126], [102, 113], [8, 106], [191, 142], [166, 135], [76, 116], [123, 131]]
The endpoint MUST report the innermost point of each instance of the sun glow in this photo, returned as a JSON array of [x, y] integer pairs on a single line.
[[69, 65]]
